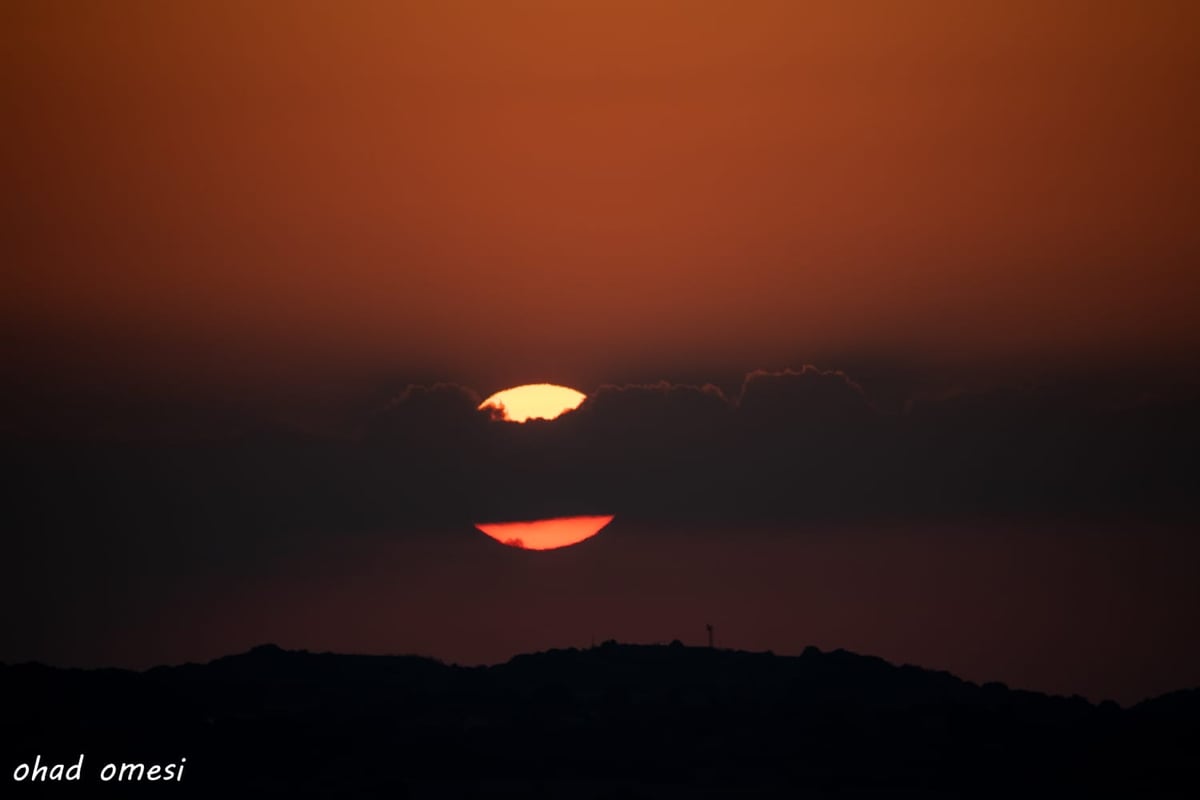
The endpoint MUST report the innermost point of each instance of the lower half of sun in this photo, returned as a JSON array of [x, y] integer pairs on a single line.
[[545, 534], [518, 405]]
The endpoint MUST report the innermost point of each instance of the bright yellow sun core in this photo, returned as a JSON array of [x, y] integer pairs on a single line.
[[534, 401]]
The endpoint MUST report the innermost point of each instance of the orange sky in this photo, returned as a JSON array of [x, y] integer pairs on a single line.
[[546, 191]]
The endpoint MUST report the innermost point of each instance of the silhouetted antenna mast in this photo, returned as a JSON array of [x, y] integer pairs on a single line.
[[709, 627]]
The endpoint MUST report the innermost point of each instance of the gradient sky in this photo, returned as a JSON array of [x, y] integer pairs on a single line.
[[263, 260], [1105, 611], [506, 192]]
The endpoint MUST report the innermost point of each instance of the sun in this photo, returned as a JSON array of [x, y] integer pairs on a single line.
[[533, 401], [545, 534], [519, 404]]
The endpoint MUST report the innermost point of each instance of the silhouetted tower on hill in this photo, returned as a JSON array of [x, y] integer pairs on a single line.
[[709, 627]]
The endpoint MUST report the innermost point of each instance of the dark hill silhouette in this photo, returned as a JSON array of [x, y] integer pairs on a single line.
[[614, 720]]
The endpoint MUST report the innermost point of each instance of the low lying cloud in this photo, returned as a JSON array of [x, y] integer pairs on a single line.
[[790, 445]]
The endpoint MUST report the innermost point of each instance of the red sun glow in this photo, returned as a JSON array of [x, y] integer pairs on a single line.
[[545, 534], [534, 401]]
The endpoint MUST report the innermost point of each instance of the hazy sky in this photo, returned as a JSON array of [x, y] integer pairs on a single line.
[[1104, 611], [205, 204], [501, 192]]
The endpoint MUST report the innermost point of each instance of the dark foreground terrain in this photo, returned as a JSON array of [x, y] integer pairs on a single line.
[[612, 721]]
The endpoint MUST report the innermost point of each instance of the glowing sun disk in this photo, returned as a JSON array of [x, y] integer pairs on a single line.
[[534, 401], [545, 534]]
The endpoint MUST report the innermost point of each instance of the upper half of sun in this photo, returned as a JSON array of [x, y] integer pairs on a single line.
[[533, 401]]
